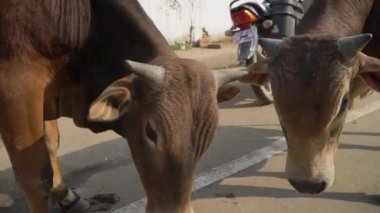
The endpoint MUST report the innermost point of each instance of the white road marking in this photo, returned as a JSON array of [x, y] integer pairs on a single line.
[[227, 169], [363, 111]]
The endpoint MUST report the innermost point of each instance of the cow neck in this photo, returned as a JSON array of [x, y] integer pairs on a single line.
[[124, 29], [335, 17], [372, 26], [120, 30]]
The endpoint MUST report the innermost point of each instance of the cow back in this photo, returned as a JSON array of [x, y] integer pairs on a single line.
[[71, 21], [46, 27]]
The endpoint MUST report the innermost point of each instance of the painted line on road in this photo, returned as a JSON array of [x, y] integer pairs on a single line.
[[244, 162]]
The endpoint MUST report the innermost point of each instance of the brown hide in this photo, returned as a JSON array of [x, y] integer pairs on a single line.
[[57, 57], [372, 26], [313, 120], [314, 83], [71, 21], [50, 27]]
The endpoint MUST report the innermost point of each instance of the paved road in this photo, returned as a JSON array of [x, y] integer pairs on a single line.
[[263, 188], [102, 164]]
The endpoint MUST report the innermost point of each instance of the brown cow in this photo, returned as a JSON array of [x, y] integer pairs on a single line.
[[315, 75], [67, 58]]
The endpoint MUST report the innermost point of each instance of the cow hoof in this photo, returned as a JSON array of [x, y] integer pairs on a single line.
[[78, 205], [6, 201]]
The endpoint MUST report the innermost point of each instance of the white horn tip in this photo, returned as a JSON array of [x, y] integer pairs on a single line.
[[153, 73]]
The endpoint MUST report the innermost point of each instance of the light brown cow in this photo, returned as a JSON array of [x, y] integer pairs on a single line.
[[314, 77], [67, 58]]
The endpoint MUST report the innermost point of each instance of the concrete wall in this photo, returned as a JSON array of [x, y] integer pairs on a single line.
[[175, 17]]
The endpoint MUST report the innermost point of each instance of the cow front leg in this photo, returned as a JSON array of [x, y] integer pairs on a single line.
[[65, 197], [22, 87], [31, 173], [21, 127]]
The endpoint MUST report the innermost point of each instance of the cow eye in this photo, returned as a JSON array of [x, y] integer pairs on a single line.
[[151, 131], [343, 105]]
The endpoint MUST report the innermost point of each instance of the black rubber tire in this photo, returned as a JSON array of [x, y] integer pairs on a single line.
[[261, 96]]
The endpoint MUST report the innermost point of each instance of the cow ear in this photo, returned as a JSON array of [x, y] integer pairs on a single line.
[[227, 92], [258, 74], [110, 105], [369, 71]]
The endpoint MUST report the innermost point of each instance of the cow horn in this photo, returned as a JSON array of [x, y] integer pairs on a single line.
[[224, 76], [153, 73], [271, 46], [349, 46]]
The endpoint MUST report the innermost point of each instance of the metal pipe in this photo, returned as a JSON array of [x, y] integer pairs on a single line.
[[286, 14]]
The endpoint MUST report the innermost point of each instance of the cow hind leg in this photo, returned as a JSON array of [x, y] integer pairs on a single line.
[[65, 197]]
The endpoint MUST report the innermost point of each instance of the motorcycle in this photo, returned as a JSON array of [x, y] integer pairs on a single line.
[[253, 19]]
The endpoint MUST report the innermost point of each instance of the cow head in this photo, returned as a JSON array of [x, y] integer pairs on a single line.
[[311, 79], [169, 115]]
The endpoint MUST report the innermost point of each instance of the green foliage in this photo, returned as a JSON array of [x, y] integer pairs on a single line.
[[180, 46]]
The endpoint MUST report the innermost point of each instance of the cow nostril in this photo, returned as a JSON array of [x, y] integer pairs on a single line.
[[305, 186], [322, 187], [293, 183]]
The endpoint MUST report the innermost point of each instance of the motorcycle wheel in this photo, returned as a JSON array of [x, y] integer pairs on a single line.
[[264, 92]]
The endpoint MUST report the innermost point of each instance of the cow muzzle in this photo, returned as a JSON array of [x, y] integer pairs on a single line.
[[310, 177], [308, 186]]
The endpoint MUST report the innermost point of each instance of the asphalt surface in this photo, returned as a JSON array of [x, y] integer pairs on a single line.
[[264, 188], [101, 163]]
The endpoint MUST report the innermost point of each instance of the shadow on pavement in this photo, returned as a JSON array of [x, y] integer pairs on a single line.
[[246, 98], [232, 142], [218, 189], [81, 165], [361, 147], [77, 167], [253, 191], [245, 103], [362, 133]]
